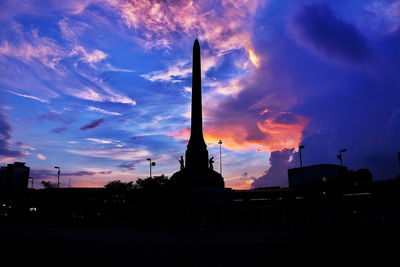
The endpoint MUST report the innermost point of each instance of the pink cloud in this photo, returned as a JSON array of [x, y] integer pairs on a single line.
[[41, 157], [224, 26], [31, 46]]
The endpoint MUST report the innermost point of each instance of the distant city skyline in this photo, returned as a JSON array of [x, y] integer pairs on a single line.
[[96, 87]]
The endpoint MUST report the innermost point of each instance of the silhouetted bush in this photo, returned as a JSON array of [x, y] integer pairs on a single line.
[[48, 185]]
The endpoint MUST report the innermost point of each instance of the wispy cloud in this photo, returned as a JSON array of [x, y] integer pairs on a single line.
[[224, 27], [174, 73], [90, 57], [124, 154], [29, 96], [100, 141], [88, 93], [103, 111], [52, 65], [109, 67]]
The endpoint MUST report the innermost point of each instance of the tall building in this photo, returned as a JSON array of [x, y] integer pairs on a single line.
[[13, 181]]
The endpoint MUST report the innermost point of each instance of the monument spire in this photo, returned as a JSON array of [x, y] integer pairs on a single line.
[[196, 153], [198, 170]]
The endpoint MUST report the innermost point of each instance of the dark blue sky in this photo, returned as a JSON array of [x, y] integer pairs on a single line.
[[96, 87]]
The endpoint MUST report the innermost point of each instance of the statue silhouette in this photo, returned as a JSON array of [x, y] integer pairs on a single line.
[[181, 161], [211, 163]]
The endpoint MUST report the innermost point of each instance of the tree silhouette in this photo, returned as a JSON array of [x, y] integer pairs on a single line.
[[118, 186], [48, 185], [152, 183]]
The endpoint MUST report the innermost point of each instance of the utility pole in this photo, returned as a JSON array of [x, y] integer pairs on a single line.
[[220, 157], [301, 163], [58, 176]]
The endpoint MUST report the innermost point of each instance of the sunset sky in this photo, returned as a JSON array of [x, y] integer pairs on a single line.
[[96, 87]]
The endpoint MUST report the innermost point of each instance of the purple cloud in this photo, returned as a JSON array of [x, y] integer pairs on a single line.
[[53, 173], [79, 173], [5, 137], [105, 172], [56, 117], [129, 165], [137, 138], [315, 27], [91, 125], [277, 174], [60, 130]]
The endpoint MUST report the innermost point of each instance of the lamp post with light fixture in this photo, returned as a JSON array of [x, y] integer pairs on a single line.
[[152, 164], [58, 176], [340, 156], [220, 157]]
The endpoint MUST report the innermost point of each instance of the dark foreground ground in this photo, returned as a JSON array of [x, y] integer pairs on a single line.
[[22, 245]]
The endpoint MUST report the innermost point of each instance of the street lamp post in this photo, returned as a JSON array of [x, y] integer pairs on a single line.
[[31, 182], [220, 157], [301, 163], [152, 164], [58, 176], [340, 156], [300, 148]]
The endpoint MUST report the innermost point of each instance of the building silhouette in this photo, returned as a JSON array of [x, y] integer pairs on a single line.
[[14, 180], [322, 173]]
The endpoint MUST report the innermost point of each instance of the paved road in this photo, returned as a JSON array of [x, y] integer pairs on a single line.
[[23, 245]]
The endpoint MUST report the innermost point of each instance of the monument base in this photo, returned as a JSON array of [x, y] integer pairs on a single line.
[[195, 179]]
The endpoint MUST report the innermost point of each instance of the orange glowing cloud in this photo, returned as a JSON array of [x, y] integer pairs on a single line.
[[264, 111], [246, 133]]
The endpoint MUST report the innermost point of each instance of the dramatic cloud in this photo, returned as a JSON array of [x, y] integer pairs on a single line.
[[91, 125], [277, 174], [275, 74], [224, 24], [315, 27]]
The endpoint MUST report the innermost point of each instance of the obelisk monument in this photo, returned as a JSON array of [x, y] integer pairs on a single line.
[[196, 152], [196, 172]]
